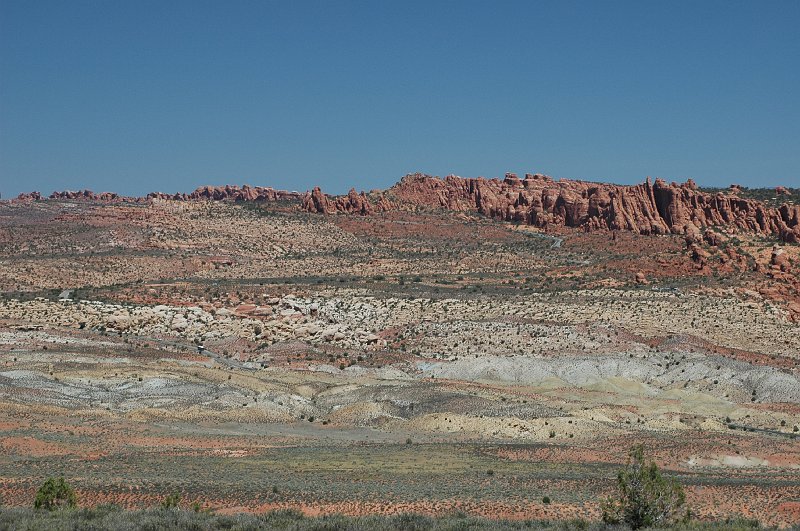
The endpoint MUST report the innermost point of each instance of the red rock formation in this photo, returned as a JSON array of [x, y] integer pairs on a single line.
[[788, 223], [88, 195], [714, 239], [316, 201], [230, 193], [648, 208], [245, 193], [80, 195], [699, 255], [352, 203], [204, 193], [31, 196], [779, 259], [383, 204]]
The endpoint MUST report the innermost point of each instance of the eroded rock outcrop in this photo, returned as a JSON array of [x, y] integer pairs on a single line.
[[30, 196], [648, 208], [89, 195], [352, 203], [230, 193], [86, 195], [204, 193]]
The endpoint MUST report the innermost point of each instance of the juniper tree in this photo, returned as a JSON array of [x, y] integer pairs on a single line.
[[55, 494], [645, 498]]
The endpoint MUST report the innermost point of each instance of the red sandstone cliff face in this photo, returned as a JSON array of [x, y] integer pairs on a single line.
[[352, 203], [648, 208]]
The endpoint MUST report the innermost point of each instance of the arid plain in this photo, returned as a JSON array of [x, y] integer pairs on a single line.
[[250, 354]]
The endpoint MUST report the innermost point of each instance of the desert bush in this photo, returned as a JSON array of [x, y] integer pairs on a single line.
[[112, 517], [281, 519], [412, 522], [172, 501], [645, 497], [54, 494]]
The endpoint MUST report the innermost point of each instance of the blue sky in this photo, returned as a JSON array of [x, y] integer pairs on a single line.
[[138, 96]]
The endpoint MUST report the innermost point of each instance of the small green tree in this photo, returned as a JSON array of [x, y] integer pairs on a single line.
[[55, 494], [645, 497], [172, 501]]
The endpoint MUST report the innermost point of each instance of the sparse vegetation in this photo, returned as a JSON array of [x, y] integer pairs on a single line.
[[55, 494], [171, 501], [477, 341], [645, 498], [113, 517]]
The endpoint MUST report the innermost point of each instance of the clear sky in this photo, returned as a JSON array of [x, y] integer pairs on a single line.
[[137, 96]]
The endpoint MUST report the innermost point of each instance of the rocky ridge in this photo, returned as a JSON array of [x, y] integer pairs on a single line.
[[203, 193], [230, 193], [653, 207], [647, 208]]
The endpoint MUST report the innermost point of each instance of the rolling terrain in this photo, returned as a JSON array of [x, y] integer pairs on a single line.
[[443, 345]]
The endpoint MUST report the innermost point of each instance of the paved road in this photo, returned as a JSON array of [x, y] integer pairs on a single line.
[[222, 360], [763, 430], [555, 239]]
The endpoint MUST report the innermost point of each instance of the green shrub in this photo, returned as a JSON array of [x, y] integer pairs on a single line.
[[55, 494], [645, 497], [412, 522], [172, 501], [110, 517]]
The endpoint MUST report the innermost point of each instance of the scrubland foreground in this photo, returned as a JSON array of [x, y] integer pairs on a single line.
[[254, 357], [114, 518]]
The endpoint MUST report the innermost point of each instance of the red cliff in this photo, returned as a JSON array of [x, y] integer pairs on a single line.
[[648, 208]]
